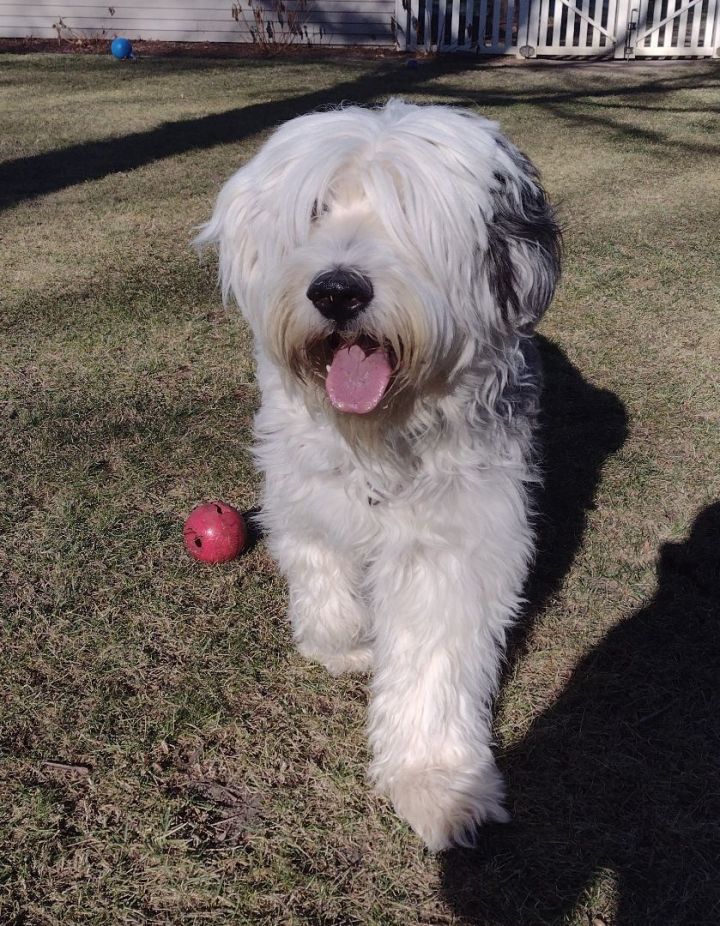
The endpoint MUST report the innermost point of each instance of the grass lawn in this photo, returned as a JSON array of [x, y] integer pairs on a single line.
[[165, 756]]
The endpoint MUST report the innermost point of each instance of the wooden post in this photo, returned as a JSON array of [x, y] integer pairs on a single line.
[[427, 32], [402, 25], [528, 19], [413, 21], [621, 30]]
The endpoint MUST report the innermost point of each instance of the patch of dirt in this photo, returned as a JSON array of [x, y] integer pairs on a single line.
[[216, 811], [150, 49]]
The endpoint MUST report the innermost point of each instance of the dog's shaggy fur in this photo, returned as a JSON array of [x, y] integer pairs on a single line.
[[398, 510]]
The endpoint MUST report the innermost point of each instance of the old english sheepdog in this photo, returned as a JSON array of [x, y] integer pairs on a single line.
[[392, 264]]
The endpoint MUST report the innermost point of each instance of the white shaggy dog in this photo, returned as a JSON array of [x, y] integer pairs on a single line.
[[392, 264]]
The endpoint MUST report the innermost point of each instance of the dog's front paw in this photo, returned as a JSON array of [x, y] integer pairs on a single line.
[[446, 805], [358, 659]]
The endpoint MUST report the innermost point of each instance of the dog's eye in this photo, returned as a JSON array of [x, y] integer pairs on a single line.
[[318, 209]]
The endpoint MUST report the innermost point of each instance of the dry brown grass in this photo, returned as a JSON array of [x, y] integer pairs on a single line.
[[166, 757]]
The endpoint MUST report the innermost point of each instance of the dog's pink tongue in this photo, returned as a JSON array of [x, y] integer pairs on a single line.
[[356, 381]]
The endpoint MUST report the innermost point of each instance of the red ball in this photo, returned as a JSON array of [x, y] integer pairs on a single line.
[[215, 533]]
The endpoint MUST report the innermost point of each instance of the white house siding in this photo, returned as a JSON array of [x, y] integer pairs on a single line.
[[328, 22]]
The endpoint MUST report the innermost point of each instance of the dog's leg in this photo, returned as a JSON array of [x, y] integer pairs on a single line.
[[330, 623], [444, 591], [308, 527]]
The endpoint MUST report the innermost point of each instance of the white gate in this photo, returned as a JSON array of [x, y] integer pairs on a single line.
[[674, 28], [569, 28]]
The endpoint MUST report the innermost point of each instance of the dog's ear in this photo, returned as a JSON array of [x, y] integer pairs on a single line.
[[524, 244], [231, 229]]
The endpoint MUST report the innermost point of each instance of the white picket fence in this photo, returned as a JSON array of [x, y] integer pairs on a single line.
[[568, 28]]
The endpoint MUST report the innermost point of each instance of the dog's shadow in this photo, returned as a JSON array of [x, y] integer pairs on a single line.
[[618, 782], [580, 427]]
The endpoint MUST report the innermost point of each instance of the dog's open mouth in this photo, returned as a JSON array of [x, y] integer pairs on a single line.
[[358, 374]]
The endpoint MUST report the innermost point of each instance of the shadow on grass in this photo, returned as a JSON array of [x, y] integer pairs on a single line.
[[254, 528], [580, 427], [621, 131], [618, 780], [580, 105], [26, 178]]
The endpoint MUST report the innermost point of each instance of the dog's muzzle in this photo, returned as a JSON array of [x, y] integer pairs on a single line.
[[358, 369], [340, 294]]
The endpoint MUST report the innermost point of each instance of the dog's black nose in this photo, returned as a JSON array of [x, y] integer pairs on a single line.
[[340, 294]]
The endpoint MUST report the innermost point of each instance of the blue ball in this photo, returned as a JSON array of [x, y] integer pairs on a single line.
[[412, 64], [121, 48]]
